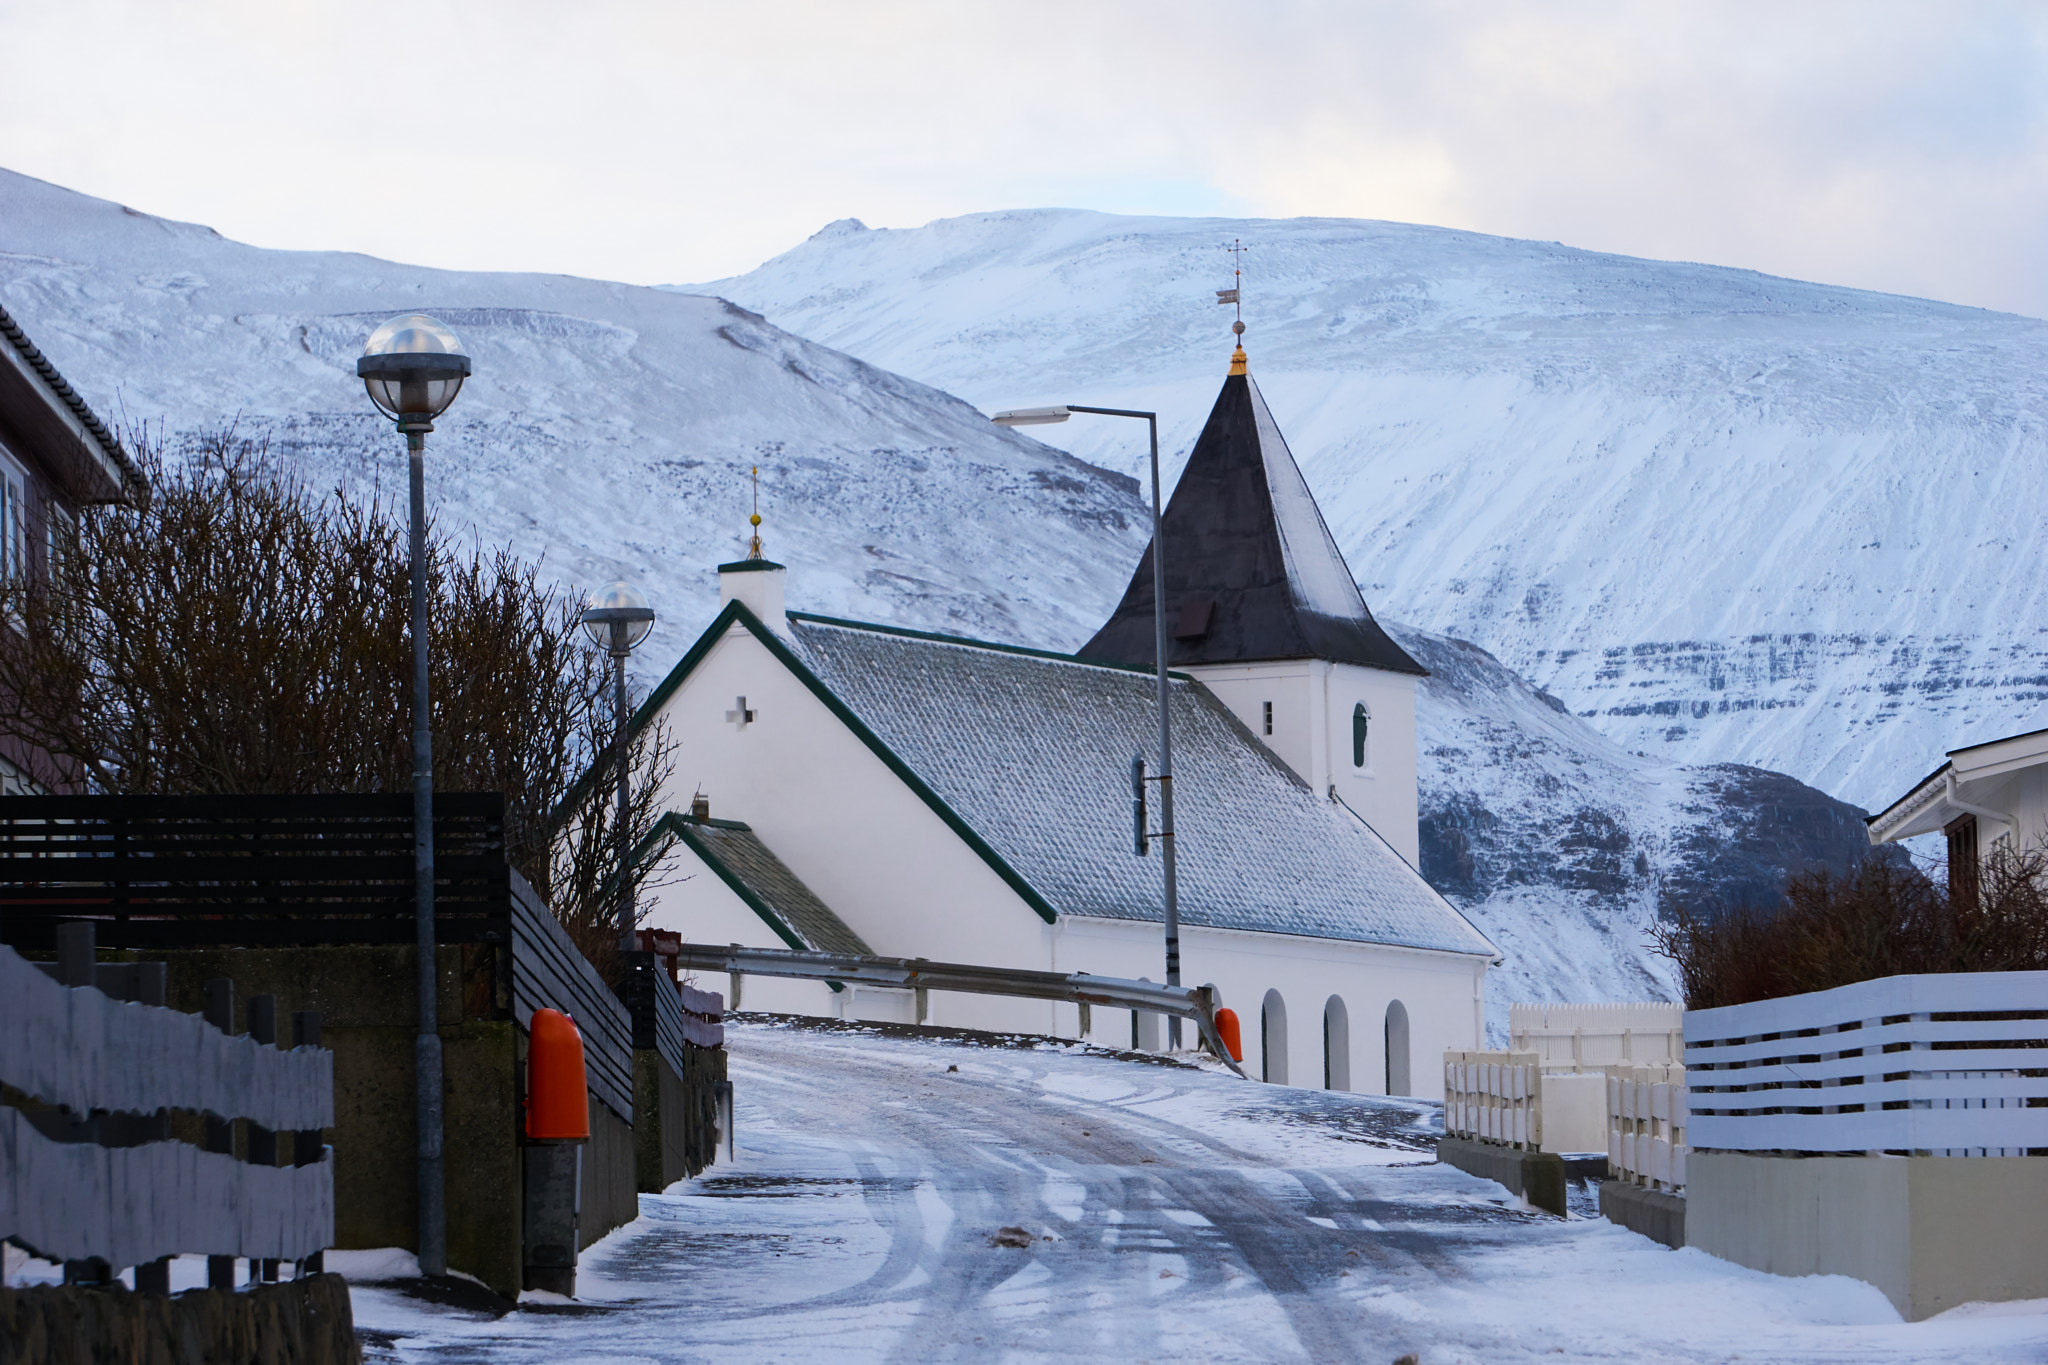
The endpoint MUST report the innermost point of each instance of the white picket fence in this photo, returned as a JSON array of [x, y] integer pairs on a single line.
[[1592, 1037], [1492, 1097], [1964, 1056], [1647, 1120]]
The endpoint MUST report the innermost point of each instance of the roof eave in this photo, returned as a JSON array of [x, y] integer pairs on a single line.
[[90, 464]]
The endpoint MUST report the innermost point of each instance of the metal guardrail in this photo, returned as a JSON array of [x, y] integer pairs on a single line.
[[915, 973]]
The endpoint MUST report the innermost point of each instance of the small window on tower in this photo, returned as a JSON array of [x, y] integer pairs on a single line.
[[1269, 717], [1361, 726]]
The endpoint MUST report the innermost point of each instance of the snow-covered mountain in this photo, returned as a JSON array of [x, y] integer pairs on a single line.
[[612, 429], [1724, 516]]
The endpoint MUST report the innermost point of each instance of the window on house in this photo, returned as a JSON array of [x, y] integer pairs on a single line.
[[1269, 716], [1962, 859], [13, 523], [1361, 726]]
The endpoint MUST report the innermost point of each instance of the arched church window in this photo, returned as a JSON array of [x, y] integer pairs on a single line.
[[1361, 724]]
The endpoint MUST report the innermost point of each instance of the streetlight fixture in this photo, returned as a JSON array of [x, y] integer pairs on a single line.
[[413, 367], [1033, 417], [618, 619]]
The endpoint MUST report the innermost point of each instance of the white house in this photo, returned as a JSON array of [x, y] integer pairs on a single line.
[[1986, 798], [917, 795]]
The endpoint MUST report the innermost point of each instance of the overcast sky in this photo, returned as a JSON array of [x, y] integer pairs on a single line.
[[1891, 146]]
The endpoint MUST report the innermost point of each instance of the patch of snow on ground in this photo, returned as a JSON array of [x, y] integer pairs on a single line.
[[1147, 1213]]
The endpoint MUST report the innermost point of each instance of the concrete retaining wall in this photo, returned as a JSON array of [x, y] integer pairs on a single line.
[[1656, 1214], [1538, 1177], [301, 1322], [1931, 1232]]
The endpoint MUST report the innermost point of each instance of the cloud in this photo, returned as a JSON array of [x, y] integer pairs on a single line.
[[1892, 146]]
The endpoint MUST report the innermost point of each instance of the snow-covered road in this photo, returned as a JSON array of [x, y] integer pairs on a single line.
[[901, 1199]]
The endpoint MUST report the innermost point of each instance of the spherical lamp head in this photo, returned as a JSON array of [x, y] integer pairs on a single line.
[[413, 367], [618, 618]]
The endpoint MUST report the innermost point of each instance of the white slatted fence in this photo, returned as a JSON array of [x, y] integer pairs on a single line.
[[1944, 1065]]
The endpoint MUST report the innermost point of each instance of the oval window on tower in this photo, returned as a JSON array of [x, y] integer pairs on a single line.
[[1361, 725]]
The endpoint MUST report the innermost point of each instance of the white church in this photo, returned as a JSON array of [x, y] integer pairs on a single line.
[[877, 790]]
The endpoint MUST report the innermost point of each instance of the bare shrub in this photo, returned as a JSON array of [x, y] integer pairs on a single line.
[[1880, 919], [242, 633]]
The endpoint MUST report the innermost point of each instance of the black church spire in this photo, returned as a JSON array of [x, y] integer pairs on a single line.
[[1252, 572]]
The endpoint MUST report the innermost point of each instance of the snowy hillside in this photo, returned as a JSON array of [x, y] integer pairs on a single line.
[[1561, 845], [1725, 516], [611, 429], [608, 426]]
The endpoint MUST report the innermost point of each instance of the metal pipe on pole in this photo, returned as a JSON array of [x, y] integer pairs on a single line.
[[1170, 868], [620, 718], [433, 1210]]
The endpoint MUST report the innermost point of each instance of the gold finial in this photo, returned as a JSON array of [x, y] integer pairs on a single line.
[[754, 549], [1237, 361]]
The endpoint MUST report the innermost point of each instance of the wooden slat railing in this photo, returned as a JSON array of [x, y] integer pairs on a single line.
[[1953, 1064], [82, 1189]]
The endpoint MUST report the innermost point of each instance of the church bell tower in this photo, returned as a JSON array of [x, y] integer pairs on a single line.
[[1262, 608]]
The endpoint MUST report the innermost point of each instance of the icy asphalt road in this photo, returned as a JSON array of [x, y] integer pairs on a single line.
[[1172, 1214]]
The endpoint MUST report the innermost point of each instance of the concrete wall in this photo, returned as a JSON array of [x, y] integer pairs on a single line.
[[1931, 1232], [299, 1322], [369, 1019], [675, 1119]]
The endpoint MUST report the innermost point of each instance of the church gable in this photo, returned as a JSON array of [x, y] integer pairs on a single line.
[[1252, 572]]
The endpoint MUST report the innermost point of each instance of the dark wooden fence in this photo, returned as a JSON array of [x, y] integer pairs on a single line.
[[168, 872], [247, 871]]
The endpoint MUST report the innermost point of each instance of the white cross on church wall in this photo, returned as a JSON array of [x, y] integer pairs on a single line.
[[740, 716]]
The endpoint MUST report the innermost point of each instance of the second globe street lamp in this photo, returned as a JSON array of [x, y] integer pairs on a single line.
[[413, 367], [618, 619], [1032, 417]]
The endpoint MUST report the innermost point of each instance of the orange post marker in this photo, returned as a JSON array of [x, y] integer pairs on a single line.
[[1233, 1037], [556, 1110]]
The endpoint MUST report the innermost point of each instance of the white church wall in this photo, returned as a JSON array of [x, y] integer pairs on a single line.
[[848, 826], [1312, 703], [1442, 994]]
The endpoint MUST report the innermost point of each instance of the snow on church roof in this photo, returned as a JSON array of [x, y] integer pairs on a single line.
[[762, 880], [1252, 572], [1032, 752]]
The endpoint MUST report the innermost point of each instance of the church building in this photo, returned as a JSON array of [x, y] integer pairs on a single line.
[[852, 787]]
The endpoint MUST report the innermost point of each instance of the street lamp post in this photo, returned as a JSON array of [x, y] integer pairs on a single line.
[[1031, 417], [413, 367], [617, 620]]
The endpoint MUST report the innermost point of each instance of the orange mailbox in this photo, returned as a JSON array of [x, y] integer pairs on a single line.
[[1233, 1038], [556, 1110]]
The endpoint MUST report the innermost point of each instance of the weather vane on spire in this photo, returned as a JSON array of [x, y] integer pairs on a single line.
[[754, 549], [1234, 294]]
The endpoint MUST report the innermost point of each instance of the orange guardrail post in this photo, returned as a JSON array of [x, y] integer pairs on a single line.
[[556, 1107], [1233, 1036]]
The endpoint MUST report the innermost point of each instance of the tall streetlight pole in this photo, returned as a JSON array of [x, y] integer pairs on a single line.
[[413, 367], [618, 619], [1031, 417]]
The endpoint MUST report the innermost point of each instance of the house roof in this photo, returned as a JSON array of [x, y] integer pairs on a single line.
[[1252, 571], [1928, 804], [1030, 752], [748, 866], [105, 473]]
